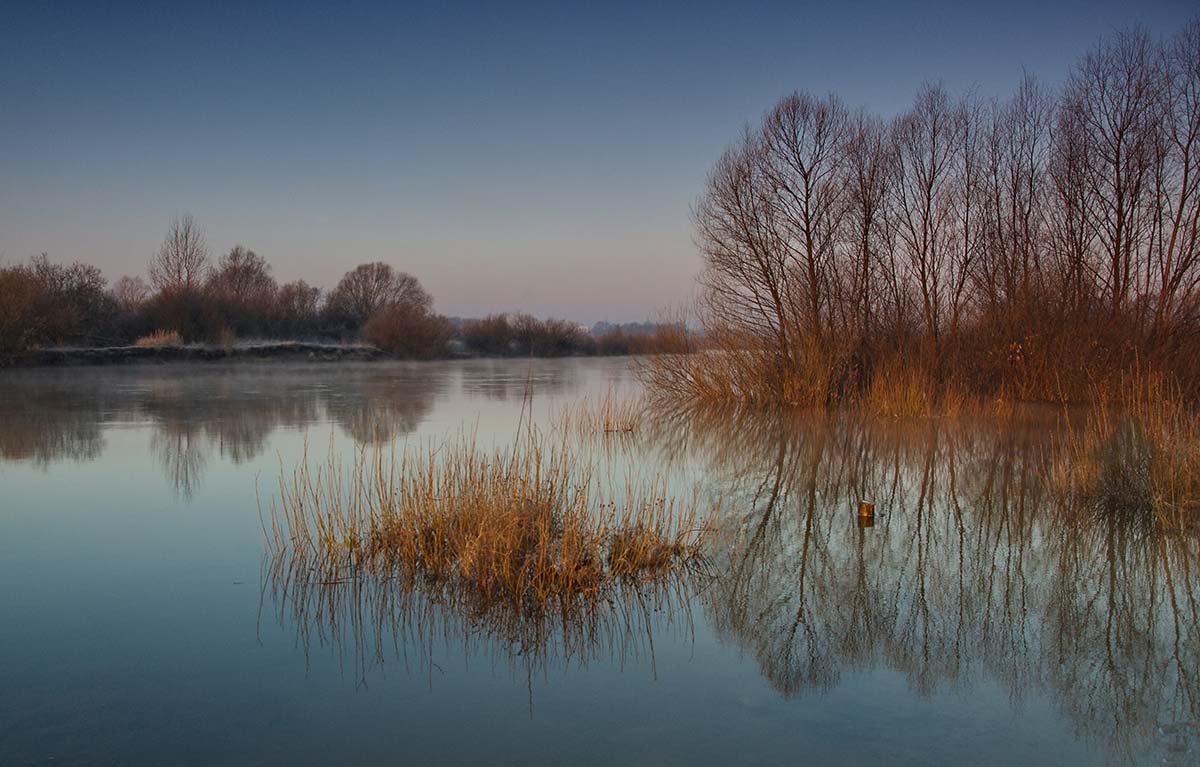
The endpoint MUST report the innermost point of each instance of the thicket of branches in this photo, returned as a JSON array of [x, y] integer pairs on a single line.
[[197, 301], [1032, 247]]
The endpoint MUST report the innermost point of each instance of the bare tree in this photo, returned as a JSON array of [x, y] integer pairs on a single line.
[[746, 281], [931, 197], [242, 289], [803, 141], [243, 277], [1114, 103], [130, 293], [182, 258], [368, 288], [869, 273], [1016, 153], [296, 305], [1176, 240]]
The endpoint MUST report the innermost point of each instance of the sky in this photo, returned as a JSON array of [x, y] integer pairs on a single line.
[[512, 156]]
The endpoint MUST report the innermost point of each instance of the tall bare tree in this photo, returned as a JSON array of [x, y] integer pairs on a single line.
[[1013, 198], [182, 258], [1176, 239], [803, 141], [931, 225], [869, 275], [1114, 102], [746, 281]]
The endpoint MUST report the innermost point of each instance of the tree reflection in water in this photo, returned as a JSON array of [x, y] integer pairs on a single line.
[[986, 560], [55, 415], [982, 561]]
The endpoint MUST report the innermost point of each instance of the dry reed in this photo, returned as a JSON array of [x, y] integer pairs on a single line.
[[526, 524], [1138, 453], [160, 338]]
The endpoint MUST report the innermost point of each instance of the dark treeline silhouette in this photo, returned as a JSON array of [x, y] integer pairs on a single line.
[[188, 299], [1033, 247]]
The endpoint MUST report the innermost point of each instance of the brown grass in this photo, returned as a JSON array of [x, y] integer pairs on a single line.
[[749, 376], [1138, 453], [160, 338], [524, 524]]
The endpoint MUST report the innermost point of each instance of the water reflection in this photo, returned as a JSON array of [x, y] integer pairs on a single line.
[[985, 565], [192, 411], [982, 562], [29, 434], [501, 380], [367, 621]]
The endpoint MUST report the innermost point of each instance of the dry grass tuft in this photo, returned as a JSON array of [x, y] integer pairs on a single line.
[[160, 338], [522, 525], [1138, 453]]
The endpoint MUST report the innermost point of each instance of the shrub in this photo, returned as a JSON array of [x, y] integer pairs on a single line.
[[186, 311], [408, 330], [492, 335], [19, 297]]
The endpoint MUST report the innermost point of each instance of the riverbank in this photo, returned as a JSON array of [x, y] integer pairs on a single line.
[[124, 355], [287, 351]]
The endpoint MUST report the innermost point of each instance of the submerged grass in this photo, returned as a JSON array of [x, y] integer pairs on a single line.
[[525, 524], [610, 415]]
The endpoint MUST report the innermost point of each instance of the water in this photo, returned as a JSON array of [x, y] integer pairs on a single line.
[[140, 624]]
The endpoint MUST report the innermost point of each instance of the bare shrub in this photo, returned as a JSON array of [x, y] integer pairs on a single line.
[[243, 290], [130, 293], [492, 335], [368, 288], [19, 296], [408, 330], [297, 308]]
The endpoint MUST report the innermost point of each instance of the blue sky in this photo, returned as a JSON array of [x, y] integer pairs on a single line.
[[512, 156]]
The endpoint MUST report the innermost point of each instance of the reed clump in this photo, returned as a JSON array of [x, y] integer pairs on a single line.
[[525, 524], [1138, 454], [160, 338]]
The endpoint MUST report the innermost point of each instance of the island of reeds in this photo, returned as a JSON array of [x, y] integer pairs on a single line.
[[526, 525]]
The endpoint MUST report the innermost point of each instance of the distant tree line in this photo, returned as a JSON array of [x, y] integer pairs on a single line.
[[196, 301], [1035, 246]]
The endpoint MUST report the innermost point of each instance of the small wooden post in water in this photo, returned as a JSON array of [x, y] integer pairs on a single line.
[[866, 514]]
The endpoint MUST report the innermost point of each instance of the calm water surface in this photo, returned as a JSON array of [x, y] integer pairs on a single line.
[[140, 623]]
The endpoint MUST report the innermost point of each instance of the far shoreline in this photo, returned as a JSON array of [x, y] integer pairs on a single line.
[[283, 351]]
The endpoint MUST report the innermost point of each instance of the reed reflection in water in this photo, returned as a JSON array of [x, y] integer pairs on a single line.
[[370, 621]]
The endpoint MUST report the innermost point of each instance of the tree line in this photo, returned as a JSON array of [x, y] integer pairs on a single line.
[[1033, 246], [193, 300]]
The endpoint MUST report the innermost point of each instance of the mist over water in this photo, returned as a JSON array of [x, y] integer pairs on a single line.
[[992, 614]]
